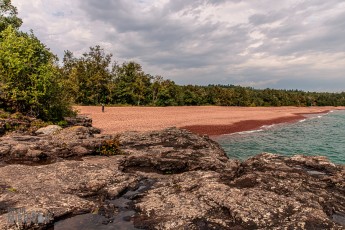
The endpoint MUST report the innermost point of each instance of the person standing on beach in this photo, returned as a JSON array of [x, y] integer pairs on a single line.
[[102, 107]]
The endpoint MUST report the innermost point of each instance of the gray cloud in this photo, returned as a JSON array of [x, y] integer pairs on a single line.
[[281, 44]]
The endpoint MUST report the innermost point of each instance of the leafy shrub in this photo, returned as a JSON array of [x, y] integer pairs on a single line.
[[37, 124], [62, 123], [30, 81], [110, 147]]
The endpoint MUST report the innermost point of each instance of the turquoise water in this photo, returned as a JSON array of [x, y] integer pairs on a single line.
[[321, 134]]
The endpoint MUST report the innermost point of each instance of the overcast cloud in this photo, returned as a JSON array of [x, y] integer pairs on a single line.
[[291, 44]]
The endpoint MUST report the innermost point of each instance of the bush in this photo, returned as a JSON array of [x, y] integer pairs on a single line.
[[62, 123], [30, 80], [110, 147]]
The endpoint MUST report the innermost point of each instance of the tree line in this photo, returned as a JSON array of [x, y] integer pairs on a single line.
[[94, 79], [34, 83]]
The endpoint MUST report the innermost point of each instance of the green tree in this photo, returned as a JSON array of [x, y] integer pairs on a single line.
[[170, 94], [156, 88], [132, 84], [8, 15], [88, 78], [29, 77]]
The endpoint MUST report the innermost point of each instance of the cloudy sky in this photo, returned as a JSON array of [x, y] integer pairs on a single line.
[[290, 44]]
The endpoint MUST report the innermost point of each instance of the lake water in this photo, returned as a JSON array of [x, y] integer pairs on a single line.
[[321, 134]]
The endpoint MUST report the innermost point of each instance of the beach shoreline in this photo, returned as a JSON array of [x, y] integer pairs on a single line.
[[209, 120], [247, 125], [241, 126]]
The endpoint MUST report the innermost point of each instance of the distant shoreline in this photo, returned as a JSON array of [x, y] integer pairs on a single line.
[[209, 120]]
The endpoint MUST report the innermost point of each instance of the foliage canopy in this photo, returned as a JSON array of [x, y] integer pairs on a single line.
[[29, 77]]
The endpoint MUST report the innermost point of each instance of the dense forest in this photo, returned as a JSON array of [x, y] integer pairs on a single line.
[[33, 82]]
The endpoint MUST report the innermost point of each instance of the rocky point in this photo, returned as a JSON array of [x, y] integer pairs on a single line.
[[170, 179]]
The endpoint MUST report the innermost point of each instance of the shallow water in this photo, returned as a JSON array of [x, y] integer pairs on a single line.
[[93, 221], [121, 220], [316, 135]]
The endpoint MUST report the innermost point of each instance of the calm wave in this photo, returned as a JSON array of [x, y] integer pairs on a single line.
[[316, 135]]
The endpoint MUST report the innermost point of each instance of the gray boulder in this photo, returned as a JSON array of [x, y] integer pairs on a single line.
[[48, 130]]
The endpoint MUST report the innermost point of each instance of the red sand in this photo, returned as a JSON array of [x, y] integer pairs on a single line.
[[211, 120]]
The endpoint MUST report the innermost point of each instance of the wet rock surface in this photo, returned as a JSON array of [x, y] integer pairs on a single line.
[[170, 179]]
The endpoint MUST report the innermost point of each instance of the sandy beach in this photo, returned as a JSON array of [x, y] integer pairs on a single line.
[[211, 120]]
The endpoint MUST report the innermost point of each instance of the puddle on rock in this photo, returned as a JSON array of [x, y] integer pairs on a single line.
[[41, 162], [30, 162], [93, 221], [316, 173], [311, 171], [339, 218], [107, 220]]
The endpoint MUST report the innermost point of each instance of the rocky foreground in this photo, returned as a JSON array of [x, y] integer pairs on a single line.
[[169, 179]]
